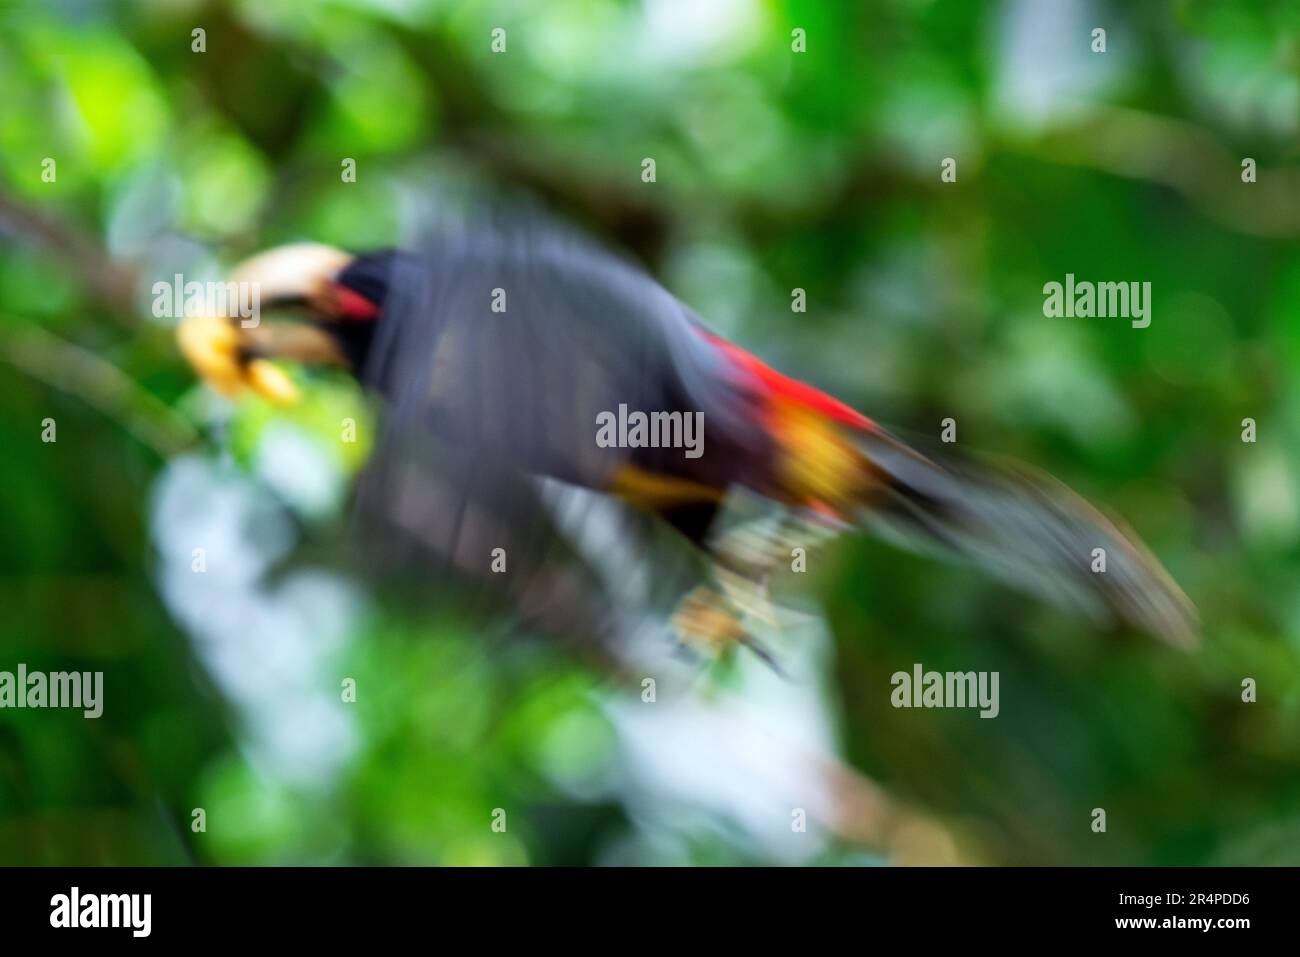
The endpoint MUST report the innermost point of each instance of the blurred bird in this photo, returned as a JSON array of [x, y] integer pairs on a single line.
[[502, 350]]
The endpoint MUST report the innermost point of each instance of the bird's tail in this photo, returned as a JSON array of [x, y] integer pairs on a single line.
[[1026, 529]]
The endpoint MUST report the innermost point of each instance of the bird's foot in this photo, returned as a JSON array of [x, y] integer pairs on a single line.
[[710, 621], [706, 621]]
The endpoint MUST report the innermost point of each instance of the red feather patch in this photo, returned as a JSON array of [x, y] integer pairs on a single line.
[[792, 389]]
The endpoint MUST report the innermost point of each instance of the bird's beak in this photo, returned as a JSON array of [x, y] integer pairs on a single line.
[[230, 356]]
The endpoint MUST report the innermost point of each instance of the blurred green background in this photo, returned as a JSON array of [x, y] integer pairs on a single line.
[[776, 169]]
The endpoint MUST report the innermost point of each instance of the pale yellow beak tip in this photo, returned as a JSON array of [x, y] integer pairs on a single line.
[[271, 383]]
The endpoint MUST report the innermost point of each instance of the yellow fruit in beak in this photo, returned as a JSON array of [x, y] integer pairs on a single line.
[[211, 344]]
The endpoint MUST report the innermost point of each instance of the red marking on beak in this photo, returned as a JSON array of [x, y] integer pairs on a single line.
[[353, 305]]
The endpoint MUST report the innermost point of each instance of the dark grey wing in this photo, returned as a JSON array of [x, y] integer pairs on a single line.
[[485, 542], [500, 346], [510, 337]]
